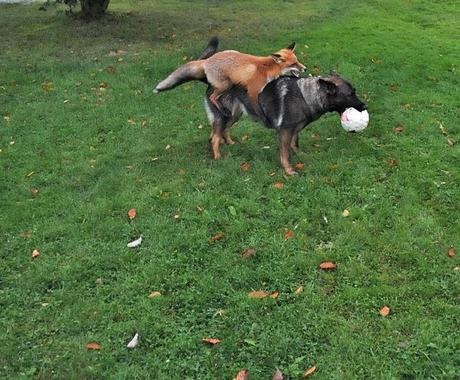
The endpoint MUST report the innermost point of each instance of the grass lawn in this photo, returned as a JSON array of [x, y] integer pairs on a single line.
[[83, 139]]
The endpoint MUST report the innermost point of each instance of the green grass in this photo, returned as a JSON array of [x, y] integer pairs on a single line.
[[95, 153]]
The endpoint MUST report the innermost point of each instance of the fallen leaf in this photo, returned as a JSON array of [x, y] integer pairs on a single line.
[[393, 87], [450, 141], [327, 265], [132, 213], [288, 234], [199, 209], [299, 290], [245, 166], [154, 294], [35, 253], [392, 162], [309, 371], [258, 294], [93, 346], [212, 341], [299, 166], [218, 236], [451, 252], [34, 191], [399, 128], [248, 252], [272, 174], [278, 185], [47, 86], [278, 375], [274, 295], [99, 281], [245, 137], [242, 375], [133, 342], [346, 213], [135, 243], [384, 311], [167, 147]]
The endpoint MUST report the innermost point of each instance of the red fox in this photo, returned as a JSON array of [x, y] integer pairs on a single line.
[[228, 68]]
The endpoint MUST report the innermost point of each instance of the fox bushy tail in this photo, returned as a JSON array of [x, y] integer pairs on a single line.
[[193, 70]]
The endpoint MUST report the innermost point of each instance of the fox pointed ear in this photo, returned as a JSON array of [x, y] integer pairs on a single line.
[[291, 46], [329, 85], [277, 57]]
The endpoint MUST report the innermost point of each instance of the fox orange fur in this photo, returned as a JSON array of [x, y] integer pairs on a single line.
[[228, 68]]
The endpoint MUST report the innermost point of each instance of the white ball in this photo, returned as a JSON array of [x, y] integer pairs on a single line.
[[354, 121]]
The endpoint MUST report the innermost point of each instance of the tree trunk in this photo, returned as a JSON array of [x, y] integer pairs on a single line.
[[91, 9]]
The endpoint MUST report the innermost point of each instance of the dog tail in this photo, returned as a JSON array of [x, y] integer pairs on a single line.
[[193, 70]]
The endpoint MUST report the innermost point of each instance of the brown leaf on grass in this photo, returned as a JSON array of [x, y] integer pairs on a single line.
[[132, 213], [35, 253], [212, 341], [309, 371], [278, 375], [242, 375], [34, 191], [245, 166], [384, 311], [299, 166], [392, 162], [399, 128], [393, 87], [450, 141], [278, 185], [288, 234], [346, 213], [48, 86], [154, 294], [248, 252], [245, 137], [93, 346], [218, 236], [299, 290], [327, 265], [258, 294], [451, 252], [199, 209]]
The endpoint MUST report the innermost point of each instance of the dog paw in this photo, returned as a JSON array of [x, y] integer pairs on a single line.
[[290, 172]]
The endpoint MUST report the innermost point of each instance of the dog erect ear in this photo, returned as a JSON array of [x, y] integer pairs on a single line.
[[291, 46], [277, 57], [329, 85]]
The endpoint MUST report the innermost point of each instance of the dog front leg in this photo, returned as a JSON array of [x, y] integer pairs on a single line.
[[285, 136]]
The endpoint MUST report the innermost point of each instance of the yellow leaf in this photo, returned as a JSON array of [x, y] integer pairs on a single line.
[[309, 371]]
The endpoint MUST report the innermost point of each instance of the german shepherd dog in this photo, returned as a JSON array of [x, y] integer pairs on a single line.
[[286, 104]]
